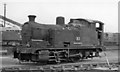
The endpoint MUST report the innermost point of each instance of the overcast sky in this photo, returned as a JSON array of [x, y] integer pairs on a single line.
[[47, 11]]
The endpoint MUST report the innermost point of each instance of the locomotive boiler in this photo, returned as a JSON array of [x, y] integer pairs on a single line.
[[77, 40]]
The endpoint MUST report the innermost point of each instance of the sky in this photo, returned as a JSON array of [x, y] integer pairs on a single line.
[[47, 11]]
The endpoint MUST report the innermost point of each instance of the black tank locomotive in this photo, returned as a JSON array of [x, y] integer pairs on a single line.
[[79, 39]]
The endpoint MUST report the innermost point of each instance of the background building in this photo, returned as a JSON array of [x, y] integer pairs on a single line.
[[111, 38]]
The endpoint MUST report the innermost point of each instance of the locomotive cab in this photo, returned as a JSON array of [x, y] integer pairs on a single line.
[[92, 29]]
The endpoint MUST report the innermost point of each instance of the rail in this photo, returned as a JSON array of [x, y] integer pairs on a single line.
[[102, 67]]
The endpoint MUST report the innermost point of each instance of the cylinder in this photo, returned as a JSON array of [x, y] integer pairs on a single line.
[[60, 20]]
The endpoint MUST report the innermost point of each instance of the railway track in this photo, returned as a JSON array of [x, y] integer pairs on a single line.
[[91, 65], [63, 67], [112, 67]]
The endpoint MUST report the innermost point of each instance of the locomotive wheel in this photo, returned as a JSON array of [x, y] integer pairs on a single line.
[[58, 62], [58, 59], [19, 57], [74, 59]]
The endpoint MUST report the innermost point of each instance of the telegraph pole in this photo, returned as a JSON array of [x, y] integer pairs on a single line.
[[4, 13]]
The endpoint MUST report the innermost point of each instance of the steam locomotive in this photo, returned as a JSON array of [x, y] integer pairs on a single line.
[[79, 39]]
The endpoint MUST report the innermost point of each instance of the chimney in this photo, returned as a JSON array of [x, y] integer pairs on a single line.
[[32, 18], [60, 20]]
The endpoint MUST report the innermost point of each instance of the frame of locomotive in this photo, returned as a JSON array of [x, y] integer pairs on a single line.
[[79, 39]]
